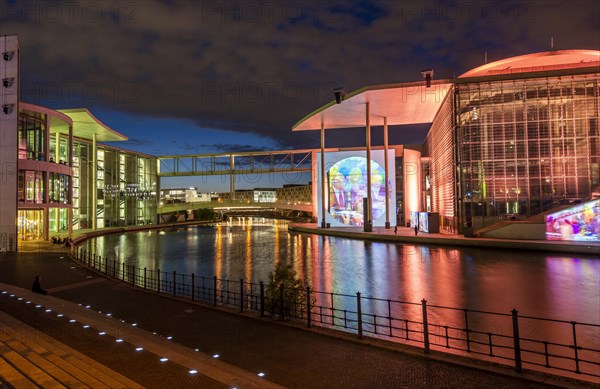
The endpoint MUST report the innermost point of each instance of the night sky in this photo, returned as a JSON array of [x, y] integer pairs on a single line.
[[211, 76]]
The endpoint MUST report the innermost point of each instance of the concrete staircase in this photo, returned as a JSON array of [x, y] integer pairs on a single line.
[[492, 227], [31, 359]]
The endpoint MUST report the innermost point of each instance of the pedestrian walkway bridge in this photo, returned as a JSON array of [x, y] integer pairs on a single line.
[[236, 163], [225, 206]]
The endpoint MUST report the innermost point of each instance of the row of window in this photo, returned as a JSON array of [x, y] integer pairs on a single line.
[[31, 187]]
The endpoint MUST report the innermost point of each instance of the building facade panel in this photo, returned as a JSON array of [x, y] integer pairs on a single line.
[[439, 146], [9, 110], [525, 146], [43, 178]]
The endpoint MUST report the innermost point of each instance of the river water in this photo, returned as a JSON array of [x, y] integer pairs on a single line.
[[559, 286], [548, 285]]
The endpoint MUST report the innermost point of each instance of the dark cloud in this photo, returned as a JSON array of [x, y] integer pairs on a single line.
[[258, 67]]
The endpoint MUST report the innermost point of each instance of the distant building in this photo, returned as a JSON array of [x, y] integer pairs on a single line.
[[185, 195], [295, 193]]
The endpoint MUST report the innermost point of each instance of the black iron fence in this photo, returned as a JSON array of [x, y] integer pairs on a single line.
[[558, 346]]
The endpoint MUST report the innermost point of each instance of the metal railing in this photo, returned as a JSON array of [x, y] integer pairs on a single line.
[[508, 338]]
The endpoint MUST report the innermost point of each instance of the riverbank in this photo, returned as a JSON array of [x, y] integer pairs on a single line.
[[226, 348], [406, 235]]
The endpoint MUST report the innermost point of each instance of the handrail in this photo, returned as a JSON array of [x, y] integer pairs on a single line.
[[576, 355]]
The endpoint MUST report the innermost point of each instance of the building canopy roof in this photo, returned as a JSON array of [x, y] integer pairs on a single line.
[[413, 103], [548, 60], [406, 103], [85, 125]]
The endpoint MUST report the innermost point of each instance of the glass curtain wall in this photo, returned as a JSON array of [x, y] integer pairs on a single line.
[[32, 132], [525, 146], [125, 187], [30, 224]]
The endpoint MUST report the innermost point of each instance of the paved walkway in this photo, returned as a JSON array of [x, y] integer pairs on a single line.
[[288, 356], [445, 238]]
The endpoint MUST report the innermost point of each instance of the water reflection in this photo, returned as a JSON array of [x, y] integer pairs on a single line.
[[537, 284]]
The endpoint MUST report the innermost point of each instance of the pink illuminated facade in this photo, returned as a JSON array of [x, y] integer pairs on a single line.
[[509, 139]]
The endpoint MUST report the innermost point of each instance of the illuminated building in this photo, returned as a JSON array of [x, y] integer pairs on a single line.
[[56, 176], [512, 137], [67, 180]]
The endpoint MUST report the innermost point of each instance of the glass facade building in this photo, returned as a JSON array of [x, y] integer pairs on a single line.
[[68, 181], [524, 146], [515, 138]]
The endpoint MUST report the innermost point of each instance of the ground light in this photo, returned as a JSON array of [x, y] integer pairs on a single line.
[[164, 359], [72, 321], [101, 333], [216, 356], [193, 371], [119, 340], [261, 374], [139, 349]]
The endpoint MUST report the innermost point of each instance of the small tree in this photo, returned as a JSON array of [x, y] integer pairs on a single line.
[[285, 293]]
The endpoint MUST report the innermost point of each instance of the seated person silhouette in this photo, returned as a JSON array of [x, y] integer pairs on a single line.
[[37, 286]]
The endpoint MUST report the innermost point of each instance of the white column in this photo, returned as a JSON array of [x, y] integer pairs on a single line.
[[231, 178], [387, 185], [70, 192], [323, 224], [57, 147], [368, 215], [314, 185], [94, 181]]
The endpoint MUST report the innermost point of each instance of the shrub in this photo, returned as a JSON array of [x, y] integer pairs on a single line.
[[204, 214], [283, 280]]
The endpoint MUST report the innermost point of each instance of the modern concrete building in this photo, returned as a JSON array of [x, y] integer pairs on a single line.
[[56, 174], [512, 137]]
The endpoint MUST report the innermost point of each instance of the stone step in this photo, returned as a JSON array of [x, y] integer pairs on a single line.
[[29, 345], [28, 369], [13, 377], [43, 363], [82, 368]]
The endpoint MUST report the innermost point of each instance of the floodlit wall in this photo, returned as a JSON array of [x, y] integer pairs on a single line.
[[439, 147], [578, 223], [347, 191], [412, 182]]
